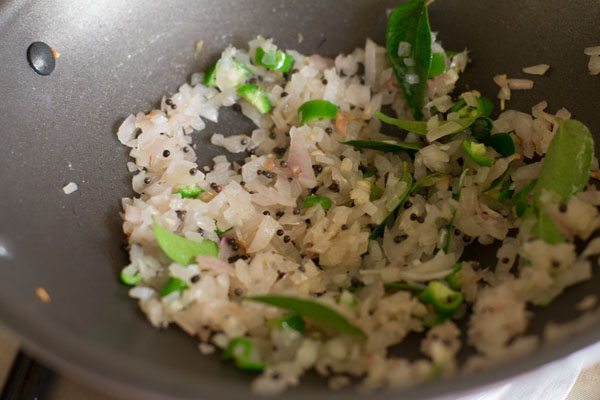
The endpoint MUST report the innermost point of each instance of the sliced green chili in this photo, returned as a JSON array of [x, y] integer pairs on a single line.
[[314, 110], [274, 60], [476, 152], [241, 350], [314, 199], [210, 76], [481, 128], [173, 285], [444, 300], [129, 278], [256, 96], [485, 106], [454, 280], [190, 191]]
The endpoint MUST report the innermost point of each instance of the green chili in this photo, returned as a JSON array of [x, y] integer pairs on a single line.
[[476, 152], [274, 60], [245, 356], [190, 191], [210, 76], [173, 285], [444, 300], [129, 277], [454, 280], [485, 106], [314, 199], [314, 110], [481, 128], [256, 96]]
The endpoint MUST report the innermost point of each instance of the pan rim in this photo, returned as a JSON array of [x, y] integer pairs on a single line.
[[110, 372]]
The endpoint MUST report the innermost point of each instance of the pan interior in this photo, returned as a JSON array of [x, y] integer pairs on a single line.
[[121, 57]]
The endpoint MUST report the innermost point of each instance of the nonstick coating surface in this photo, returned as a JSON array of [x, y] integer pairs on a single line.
[[119, 57]]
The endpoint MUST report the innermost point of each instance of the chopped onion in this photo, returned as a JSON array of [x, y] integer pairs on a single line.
[[265, 232], [70, 188], [470, 99], [501, 80], [299, 160], [126, 132], [539, 69], [520, 84], [592, 51], [594, 65], [215, 264]]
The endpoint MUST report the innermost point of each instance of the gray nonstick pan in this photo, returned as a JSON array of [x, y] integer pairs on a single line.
[[119, 57]]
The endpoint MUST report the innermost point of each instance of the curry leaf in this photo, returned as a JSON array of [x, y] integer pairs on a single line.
[[418, 127], [565, 171], [566, 167], [387, 146], [546, 230], [409, 24], [438, 64], [313, 310], [428, 180], [181, 250]]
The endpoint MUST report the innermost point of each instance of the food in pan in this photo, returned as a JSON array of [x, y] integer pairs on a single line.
[[342, 223]]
